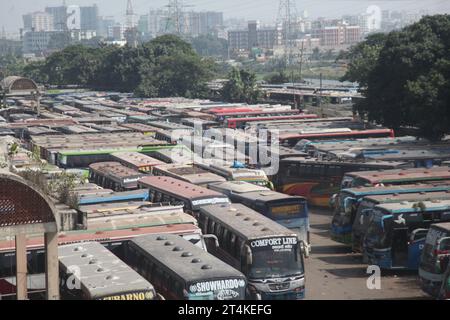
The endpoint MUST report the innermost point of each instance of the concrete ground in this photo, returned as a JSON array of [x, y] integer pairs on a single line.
[[334, 272]]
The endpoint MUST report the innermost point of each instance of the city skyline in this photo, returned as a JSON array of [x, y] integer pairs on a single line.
[[265, 10]]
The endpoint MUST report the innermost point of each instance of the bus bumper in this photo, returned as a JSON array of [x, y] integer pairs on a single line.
[[430, 283], [378, 257]]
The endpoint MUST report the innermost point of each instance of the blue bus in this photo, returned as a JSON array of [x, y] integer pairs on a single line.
[[346, 203], [396, 234], [289, 211], [135, 195]]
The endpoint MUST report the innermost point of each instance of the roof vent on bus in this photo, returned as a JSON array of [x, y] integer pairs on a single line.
[[196, 260], [238, 214], [435, 201], [77, 248], [256, 224], [100, 270], [168, 243], [206, 267], [247, 219], [422, 192], [111, 277], [93, 261], [160, 238], [186, 254], [177, 249], [265, 229]]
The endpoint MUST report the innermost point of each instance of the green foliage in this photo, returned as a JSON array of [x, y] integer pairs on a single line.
[[241, 87], [406, 77], [165, 66], [208, 45], [277, 78]]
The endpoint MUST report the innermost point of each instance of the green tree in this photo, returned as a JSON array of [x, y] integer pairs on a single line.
[[409, 83], [241, 87], [208, 45], [362, 58], [277, 78]]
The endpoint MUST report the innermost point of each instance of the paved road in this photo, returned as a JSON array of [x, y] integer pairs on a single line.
[[334, 272]]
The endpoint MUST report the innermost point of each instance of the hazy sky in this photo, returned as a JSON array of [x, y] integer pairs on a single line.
[[266, 10]]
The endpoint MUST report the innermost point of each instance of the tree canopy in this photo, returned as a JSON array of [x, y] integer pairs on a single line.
[[405, 77], [241, 87], [165, 66]]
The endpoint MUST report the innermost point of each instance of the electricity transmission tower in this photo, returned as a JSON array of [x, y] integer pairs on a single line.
[[176, 20], [130, 26], [287, 17]]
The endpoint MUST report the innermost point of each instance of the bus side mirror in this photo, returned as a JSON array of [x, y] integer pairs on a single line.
[[383, 220], [212, 236], [443, 245], [249, 255]]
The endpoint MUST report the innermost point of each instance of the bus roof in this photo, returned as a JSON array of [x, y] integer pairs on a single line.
[[136, 159], [184, 259], [114, 169], [245, 222], [414, 174], [345, 162], [102, 197], [101, 273], [238, 187], [114, 206], [396, 197], [178, 187], [405, 188], [306, 135], [147, 216], [190, 173], [408, 206], [443, 225]]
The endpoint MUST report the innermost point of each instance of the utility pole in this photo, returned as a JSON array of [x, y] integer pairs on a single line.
[[320, 98]]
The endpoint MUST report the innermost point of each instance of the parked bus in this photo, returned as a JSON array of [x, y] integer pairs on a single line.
[[230, 173], [100, 275], [181, 271], [267, 253], [394, 177], [113, 240], [221, 116], [434, 268], [396, 235], [364, 211], [115, 176], [291, 139], [168, 189], [289, 211], [346, 204], [80, 158], [136, 161], [191, 173], [124, 196], [240, 123], [180, 156], [317, 180]]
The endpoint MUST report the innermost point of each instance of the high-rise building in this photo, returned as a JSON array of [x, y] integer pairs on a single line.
[[38, 21], [104, 25], [253, 37], [89, 18], [338, 35], [59, 17]]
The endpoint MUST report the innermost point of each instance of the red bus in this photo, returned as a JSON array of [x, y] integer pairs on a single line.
[[258, 113], [234, 123], [231, 110], [291, 139]]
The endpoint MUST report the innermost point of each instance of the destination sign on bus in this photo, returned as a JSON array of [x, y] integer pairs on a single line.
[[276, 244], [286, 210], [223, 289], [147, 295], [209, 201]]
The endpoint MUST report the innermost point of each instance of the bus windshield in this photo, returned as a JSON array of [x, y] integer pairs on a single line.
[[287, 211], [277, 257], [429, 258], [378, 231]]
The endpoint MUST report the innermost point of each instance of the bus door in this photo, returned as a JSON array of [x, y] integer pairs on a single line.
[[400, 247], [415, 247]]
